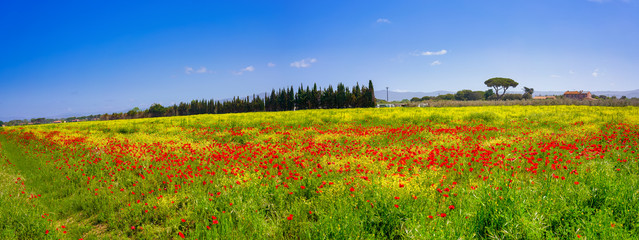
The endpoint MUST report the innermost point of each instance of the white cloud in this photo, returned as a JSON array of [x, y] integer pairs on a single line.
[[555, 76], [201, 70], [429, 53], [571, 72], [435, 63], [270, 64], [595, 73], [383, 20], [189, 70], [304, 63], [246, 69]]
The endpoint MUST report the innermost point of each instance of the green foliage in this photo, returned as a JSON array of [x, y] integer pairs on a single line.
[[448, 96], [500, 83], [488, 94], [512, 97], [528, 93], [469, 95], [157, 110]]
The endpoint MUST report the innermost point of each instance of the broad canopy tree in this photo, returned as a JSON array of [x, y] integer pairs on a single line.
[[502, 84]]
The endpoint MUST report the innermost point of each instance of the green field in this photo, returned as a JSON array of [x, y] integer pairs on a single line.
[[502, 172]]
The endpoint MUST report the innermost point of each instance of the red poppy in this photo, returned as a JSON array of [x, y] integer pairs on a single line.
[[442, 215], [181, 234], [290, 217], [451, 207]]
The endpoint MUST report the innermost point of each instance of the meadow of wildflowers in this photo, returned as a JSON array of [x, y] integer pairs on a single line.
[[514, 172]]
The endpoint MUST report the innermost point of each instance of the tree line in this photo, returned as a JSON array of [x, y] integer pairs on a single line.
[[283, 99]]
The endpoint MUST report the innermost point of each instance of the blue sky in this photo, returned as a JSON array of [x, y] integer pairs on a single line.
[[82, 57]]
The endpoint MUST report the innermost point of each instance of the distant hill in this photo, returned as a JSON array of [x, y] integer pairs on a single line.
[[398, 96]]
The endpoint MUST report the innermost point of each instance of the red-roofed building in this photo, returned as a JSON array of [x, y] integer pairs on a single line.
[[579, 95]]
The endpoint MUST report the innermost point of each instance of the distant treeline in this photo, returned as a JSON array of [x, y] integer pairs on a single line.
[[284, 99]]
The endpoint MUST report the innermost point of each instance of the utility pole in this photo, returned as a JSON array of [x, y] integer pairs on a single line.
[[387, 94]]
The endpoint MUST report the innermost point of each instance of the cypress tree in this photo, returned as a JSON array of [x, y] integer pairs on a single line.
[[371, 94]]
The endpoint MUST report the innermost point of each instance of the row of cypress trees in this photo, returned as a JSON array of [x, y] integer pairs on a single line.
[[316, 98], [284, 99]]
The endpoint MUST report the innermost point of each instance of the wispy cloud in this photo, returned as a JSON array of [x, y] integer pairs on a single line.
[[189, 70], [383, 20], [555, 76], [435, 63], [270, 64], [201, 70], [304, 63], [246, 69], [595, 73], [429, 53]]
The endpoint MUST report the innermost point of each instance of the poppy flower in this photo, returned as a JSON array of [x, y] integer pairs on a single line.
[[442, 215], [181, 234], [451, 207], [290, 217]]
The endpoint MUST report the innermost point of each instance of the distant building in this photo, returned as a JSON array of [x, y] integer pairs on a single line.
[[58, 121], [581, 95]]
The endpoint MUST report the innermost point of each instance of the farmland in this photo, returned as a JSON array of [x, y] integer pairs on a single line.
[[516, 172]]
